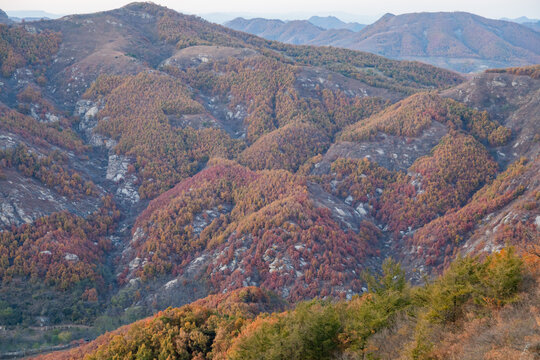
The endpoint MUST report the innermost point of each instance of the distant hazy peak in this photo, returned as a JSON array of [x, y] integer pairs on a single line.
[[326, 22], [4, 19]]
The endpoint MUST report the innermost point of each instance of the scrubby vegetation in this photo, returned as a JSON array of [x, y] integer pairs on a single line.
[[358, 178], [267, 89], [50, 170], [285, 148], [392, 320], [532, 71], [444, 233], [403, 76], [136, 115], [59, 134], [248, 162], [458, 167], [46, 160]]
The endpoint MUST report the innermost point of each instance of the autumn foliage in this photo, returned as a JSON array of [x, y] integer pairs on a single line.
[[268, 214], [19, 47], [446, 179], [61, 249], [425, 322], [533, 71], [411, 116], [135, 114]]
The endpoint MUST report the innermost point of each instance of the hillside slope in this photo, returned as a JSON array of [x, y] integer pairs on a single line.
[[476, 309], [149, 159]]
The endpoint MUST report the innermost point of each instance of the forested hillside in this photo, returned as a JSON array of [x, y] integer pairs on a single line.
[[150, 159], [475, 309]]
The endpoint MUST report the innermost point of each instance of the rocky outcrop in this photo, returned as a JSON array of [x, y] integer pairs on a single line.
[[117, 165], [513, 101], [392, 152], [25, 199], [117, 168]]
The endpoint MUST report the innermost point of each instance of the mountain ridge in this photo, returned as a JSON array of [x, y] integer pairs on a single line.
[[453, 42]]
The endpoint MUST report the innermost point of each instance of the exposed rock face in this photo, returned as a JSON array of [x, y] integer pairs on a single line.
[[46, 118], [128, 191], [8, 141], [117, 171], [346, 215], [71, 257], [514, 101], [195, 55], [491, 227], [117, 165], [24, 199], [87, 111], [117, 168], [392, 152], [309, 79], [130, 40]]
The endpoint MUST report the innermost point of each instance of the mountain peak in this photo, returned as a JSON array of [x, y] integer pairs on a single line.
[[4, 18], [387, 16], [143, 5]]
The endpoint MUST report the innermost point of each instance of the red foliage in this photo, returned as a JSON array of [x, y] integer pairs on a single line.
[[261, 227], [60, 250], [411, 116], [452, 228], [439, 182]]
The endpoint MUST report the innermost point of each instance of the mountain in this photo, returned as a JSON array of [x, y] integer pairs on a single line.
[[315, 30], [520, 20], [458, 41], [291, 32], [453, 308], [332, 22], [349, 19], [533, 25], [4, 19], [328, 22], [31, 15], [150, 159]]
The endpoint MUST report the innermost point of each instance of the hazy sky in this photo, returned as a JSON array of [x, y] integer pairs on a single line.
[[487, 8]]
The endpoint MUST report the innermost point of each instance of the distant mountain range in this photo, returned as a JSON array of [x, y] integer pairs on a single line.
[[455, 40], [525, 21], [30, 15], [521, 20], [314, 30], [295, 32], [4, 19], [332, 22]]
